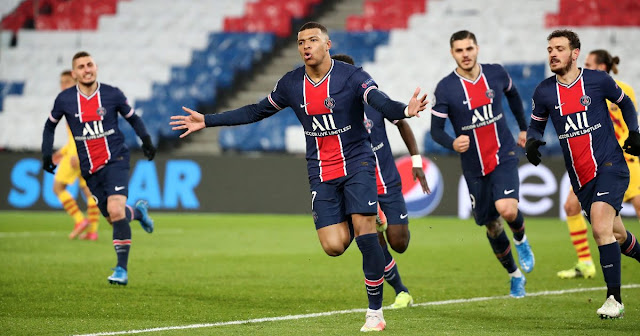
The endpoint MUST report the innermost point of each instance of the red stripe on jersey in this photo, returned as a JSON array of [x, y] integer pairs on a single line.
[[331, 158], [584, 164], [569, 98], [97, 149], [487, 144], [332, 161], [314, 97], [381, 185], [476, 92]]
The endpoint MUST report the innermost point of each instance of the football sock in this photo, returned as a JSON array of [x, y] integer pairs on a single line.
[[70, 206], [578, 232], [373, 267], [517, 227], [93, 213], [132, 213], [610, 263], [122, 241], [516, 274], [630, 247], [391, 273], [502, 249]]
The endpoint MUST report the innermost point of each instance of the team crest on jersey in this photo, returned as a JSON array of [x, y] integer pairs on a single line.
[[101, 111], [329, 103], [533, 104], [585, 100], [490, 94], [368, 124]]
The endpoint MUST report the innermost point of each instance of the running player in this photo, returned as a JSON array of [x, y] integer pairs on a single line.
[[91, 109], [601, 60], [471, 97], [67, 173], [576, 102], [328, 98], [392, 209]]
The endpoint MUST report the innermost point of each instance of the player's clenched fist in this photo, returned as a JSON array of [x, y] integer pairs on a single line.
[[461, 144]]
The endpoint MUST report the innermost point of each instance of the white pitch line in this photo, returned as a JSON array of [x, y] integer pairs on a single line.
[[32, 234], [341, 312]]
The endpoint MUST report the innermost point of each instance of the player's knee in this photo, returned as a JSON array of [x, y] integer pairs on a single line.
[[509, 213], [333, 250], [58, 188], [571, 208], [398, 240], [494, 228], [621, 237], [116, 212]]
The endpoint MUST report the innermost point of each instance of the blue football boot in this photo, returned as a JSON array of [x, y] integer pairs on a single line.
[[119, 276], [525, 256], [146, 222], [517, 287]]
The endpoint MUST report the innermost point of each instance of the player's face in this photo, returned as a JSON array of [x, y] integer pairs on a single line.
[[85, 70], [313, 46], [561, 57], [591, 63], [66, 81], [465, 52]]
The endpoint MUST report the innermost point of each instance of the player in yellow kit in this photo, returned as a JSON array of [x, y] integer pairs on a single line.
[[601, 60], [68, 172]]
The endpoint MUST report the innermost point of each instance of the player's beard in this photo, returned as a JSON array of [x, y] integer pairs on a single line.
[[563, 71]]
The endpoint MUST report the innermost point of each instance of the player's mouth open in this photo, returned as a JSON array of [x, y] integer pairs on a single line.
[[307, 56]]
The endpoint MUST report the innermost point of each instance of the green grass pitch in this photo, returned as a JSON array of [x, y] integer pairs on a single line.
[[199, 269]]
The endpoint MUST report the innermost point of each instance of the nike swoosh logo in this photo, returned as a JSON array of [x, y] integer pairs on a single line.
[[303, 105], [507, 192], [404, 216], [559, 106], [372, 203], [119, 188], [602, 193]]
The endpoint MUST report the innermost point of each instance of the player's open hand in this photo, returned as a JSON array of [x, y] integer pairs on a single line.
[[418, 173], [532, 152], [522, 138], [192, 122], [416, 105], [461, 144]]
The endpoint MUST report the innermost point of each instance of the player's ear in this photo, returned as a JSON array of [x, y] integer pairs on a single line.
[[575, 53], [328, 44]]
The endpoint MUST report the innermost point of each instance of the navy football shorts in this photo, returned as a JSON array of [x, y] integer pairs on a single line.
[[484, 191], [393, 205], [607, 186], [332, 201], [112, 179]]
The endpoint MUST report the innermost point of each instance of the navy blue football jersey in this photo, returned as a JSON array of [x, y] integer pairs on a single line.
[[580, 116], [475, 109], [387, 175], [93, 122], [331, 112]]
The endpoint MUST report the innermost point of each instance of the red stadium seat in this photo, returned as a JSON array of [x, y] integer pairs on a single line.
[[595, 13]]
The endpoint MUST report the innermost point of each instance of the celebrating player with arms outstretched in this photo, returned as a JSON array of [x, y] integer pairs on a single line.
[[91, 109], [328, 98], [393, 215], [576, 102], [471, 97]]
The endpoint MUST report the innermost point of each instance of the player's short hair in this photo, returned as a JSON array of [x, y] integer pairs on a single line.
[[65, 73], [462, 35], [312, 25], [79, 54], [574, 40], [604, 57], [344, 58]]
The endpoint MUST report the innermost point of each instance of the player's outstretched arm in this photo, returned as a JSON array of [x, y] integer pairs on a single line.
[[410, 140], [192, 122], [47, 146]]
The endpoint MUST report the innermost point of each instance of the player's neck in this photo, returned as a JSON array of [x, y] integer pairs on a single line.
[[317, 72], [88, 90], [570, 76], [471, 74]]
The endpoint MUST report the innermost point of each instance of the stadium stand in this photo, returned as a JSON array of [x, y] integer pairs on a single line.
[[186, 55]]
